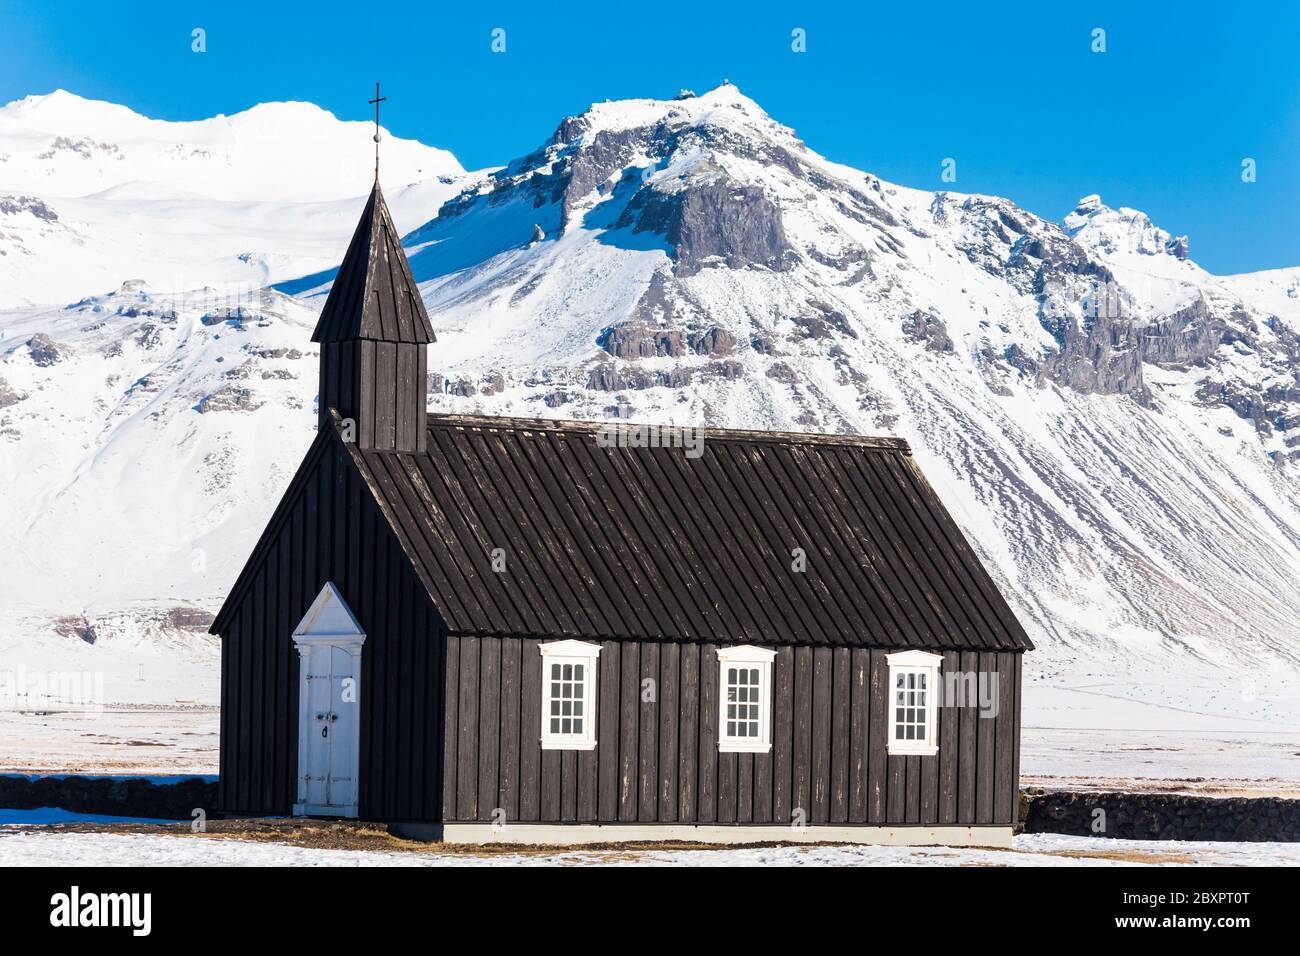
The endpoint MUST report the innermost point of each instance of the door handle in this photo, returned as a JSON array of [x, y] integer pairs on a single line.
[[325, 731]]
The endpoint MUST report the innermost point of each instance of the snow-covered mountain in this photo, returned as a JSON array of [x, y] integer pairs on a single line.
[[1117, 430], [92, 194]]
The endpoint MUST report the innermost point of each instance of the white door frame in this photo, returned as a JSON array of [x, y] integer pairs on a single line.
[[328, 624]]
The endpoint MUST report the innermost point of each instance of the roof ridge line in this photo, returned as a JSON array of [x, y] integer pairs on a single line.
[[514, 423]]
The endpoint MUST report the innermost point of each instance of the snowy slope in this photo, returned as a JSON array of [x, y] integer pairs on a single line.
[[92, 194], [1116, 429]]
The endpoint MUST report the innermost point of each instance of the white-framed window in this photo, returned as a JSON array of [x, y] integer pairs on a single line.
[[569, 695], [913, 702], [745, 699]]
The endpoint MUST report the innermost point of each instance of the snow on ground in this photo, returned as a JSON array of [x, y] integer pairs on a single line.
[[22, 846]]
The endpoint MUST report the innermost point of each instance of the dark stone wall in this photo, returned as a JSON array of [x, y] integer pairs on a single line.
[[113, 796], [1160, 816]]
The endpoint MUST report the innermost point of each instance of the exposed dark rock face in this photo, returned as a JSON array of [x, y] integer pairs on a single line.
[[714, 341], [75, 625], [924, 327], [632, 340], [184, 618], [1020, 360], [148, 336], [1099, 355], [272, 353], [44, 352], [230, 398], [1161, 816], [716, 222], [608, 377], [729, 369], [822, 322], [559, 397], [12, 205], [237, 316], [1189, 336], [781, 373], [855, 256], [439, 384], [7, 394]]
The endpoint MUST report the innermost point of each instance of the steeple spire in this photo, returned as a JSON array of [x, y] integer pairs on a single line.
[[373, 334]]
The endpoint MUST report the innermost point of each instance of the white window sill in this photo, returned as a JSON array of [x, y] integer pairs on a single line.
[[568, 745], [913, 751], [737, 747]]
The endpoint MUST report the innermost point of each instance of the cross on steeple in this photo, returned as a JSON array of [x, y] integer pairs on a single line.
[[375, 103]]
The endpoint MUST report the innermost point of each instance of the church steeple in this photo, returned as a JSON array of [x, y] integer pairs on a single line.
[[373, 332]]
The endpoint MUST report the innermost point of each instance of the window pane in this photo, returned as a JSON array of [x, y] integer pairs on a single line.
[[555, 708], [731, 728], [753, 676], [555, 725], [577, 672], [555, 672], [577, 726]]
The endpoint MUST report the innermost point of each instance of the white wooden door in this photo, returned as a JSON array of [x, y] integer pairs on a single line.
[[329, 642], [329, 765]]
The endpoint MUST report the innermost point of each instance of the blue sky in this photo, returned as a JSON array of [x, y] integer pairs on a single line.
[[1160, 121]]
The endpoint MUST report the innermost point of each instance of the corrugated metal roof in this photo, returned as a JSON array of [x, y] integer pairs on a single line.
[[648, 543], [374, 295]]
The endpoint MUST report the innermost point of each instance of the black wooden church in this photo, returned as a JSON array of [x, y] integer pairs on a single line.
[[481, 628]]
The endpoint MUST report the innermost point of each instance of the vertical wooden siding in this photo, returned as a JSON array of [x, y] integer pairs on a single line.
[[333, 532], [657, 761], [379, 385]]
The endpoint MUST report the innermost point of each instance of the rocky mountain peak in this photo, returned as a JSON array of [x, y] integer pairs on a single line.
[[1122, 231]]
